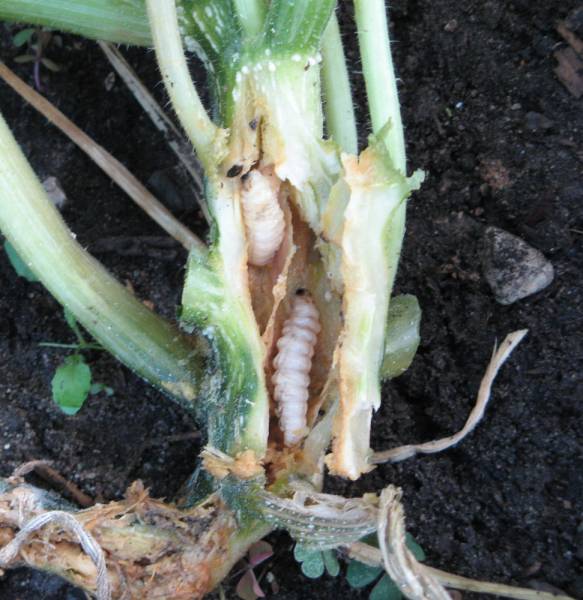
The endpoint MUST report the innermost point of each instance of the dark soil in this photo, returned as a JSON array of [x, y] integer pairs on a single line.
[[500, 139]]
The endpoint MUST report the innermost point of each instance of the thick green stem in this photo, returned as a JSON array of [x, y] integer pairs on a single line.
[[211, 29], [379, 75], [140, 339], [340, 119], [251, 15], [205, 136], [119, 21], [297, 26]]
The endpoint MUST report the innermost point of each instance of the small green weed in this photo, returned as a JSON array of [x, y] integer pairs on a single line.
[[315, 562], [35, 41], [72, 381], [19, 266], [358, 575]]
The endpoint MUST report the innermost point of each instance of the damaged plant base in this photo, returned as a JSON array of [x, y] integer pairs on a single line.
[[287, 323]]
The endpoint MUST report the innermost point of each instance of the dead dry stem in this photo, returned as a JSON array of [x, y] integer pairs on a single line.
[[152, 549]]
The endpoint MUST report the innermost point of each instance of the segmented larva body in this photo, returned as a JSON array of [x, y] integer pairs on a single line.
[[264, 218], [292, 368]]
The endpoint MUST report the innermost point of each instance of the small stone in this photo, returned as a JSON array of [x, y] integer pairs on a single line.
[[109, 81], [513, 269], [451, 26], [55, 192], [537, 122]]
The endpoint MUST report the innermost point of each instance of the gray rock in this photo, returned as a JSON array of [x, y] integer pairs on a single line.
[[537, 122], [512, 268]]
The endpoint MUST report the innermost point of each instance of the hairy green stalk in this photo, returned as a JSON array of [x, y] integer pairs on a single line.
[[237, 412], [119, 21], [211, 29], [297, 26], [379, 75], [205, 136], [140, 339], [251, 15], [339, 108]]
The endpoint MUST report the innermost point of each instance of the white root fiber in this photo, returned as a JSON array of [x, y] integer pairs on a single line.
[[70, 524], [499, 357]]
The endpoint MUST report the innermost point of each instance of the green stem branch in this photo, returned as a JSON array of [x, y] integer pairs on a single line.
[[140, 339], [109, 20], [251, 15], [379, 75], [340, 119], [205, 136], [297, 26]]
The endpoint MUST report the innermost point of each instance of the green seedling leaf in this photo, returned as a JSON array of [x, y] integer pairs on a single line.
[[96, 388], [371, 539], [24, 58], [74, 325], [22, 37], [402, 337], [18, 264], [51, 65], [302, 553], [71, 384], [385, 589], [312, 562], [415, 548], [360, 575], [331, 563], [314, 566]]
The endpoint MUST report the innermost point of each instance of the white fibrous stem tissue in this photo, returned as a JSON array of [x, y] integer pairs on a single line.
[[263, 215], [292, 366]]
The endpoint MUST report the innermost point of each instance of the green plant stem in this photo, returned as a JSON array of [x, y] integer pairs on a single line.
[[297, 26], [110, 20], [146, 343], [71, 346], [251, 15], [379, 75], [340, 119], [202, 132]]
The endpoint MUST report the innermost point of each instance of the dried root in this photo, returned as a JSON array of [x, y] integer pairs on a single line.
[[499, 357], [134, 548], [416, 580]]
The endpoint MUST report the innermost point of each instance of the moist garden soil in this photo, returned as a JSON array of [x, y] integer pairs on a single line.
[[501, 141]]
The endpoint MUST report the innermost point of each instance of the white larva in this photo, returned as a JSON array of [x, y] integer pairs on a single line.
[[263, 216], [292, 368]]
